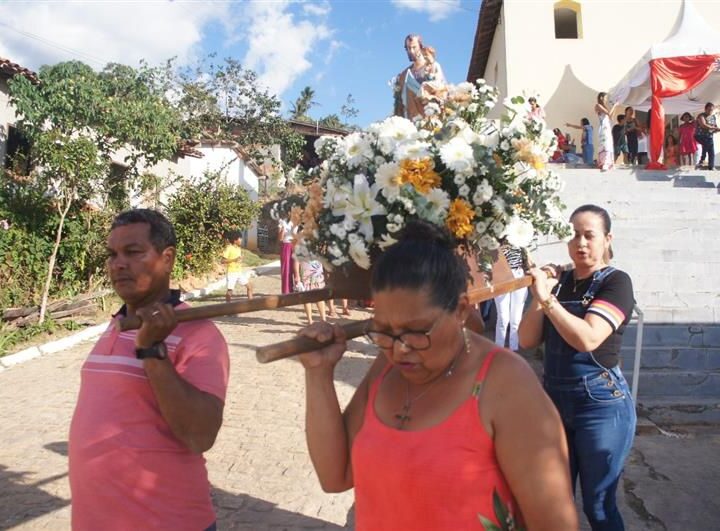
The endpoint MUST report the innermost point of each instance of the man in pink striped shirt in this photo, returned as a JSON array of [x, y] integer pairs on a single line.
[[151, 401]]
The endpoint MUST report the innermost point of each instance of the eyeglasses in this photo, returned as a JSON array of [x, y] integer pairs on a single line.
[[413, 340]]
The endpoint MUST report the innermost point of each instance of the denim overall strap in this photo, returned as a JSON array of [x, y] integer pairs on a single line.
[[564, 364], [598, 278]]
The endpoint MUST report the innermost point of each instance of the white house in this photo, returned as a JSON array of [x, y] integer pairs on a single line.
[[190, 161]]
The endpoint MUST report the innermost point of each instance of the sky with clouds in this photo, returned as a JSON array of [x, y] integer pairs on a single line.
[[337, 47]]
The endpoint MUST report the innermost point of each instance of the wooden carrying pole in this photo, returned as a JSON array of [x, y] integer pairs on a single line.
[[298, 345], [231, 308]]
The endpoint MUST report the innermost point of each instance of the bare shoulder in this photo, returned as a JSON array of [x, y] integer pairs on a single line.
[[505, 366], [510, 370]]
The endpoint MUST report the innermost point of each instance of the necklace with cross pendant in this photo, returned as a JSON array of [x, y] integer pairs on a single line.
[[403, 416]]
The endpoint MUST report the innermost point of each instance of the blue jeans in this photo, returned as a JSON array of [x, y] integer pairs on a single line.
[[588, 153], [597, 412], [599, 419], [708, 148]]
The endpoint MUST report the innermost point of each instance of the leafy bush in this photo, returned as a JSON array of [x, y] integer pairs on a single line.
[[202, 214], [27, 242]]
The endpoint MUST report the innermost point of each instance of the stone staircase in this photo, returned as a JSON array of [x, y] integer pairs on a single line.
[[667, 237]]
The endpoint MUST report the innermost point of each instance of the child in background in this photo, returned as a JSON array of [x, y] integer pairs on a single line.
[[588, 150], [671, 152], [688, 145], [232, 259], [310, 275]]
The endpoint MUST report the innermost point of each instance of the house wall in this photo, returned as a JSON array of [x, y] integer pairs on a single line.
[[496, 70], [7, 117]]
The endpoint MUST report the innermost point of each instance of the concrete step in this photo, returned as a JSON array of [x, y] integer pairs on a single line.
[[669, 358], [675, 336], [668, 411], [670, 382], [686, 316], [677, 300]]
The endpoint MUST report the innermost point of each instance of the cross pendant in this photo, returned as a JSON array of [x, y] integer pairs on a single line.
[[403, 416]]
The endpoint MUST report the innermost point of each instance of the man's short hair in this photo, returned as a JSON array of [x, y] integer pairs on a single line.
[[620, 117], [162, 233]]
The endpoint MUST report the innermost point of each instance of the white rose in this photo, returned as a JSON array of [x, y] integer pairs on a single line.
[[481, 227], [519, 232], [458, 155], [459, 180], [464, 190], [499, 229], [498, 204], [359, 254], [483, 192]]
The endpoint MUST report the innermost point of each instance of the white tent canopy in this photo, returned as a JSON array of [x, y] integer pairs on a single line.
[[692, 36]]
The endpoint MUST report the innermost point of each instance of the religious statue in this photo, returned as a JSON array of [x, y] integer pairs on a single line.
[[421, 82]]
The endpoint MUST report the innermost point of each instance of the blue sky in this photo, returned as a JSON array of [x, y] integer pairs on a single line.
[[336, 47]]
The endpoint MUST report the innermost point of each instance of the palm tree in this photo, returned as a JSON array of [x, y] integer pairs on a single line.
[[302, 105]]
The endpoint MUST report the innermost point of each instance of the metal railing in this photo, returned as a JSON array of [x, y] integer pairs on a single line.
[[638, 351]]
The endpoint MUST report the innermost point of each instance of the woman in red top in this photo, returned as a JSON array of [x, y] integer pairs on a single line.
[[446, 431]]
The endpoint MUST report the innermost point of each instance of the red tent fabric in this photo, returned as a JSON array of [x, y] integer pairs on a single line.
[[672, 76]]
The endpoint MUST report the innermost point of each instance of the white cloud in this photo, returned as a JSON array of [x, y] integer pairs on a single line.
[[35, 33], [437, 9], [279, 44], [319, 9]]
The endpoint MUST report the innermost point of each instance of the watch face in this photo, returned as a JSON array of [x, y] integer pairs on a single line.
[[161, 350], [158, 351]]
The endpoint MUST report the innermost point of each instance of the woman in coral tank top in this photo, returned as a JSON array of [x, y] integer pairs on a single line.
[[446, 431]]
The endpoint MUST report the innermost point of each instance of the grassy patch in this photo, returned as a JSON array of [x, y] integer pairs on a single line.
[[250, 259], [12, 336]]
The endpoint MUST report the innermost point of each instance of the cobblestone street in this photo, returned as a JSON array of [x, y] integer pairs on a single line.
[[259, 468]]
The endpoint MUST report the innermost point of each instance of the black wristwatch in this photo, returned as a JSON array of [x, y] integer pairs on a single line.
[[157, 351]]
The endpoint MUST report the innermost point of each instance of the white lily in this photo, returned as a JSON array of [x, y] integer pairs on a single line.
[[362, 206]]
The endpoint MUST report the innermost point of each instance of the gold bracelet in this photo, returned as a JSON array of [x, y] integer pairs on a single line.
[[549, 303]]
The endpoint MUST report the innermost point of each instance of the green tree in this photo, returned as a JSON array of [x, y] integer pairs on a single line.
[[221, 100], [332, 120], [202, 213], [76, 119], [348, 110], [302, 105]]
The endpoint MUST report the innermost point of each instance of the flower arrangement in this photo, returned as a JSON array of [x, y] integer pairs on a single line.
[[485, 180]]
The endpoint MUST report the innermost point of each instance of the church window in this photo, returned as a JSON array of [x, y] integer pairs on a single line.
[[568, 20]]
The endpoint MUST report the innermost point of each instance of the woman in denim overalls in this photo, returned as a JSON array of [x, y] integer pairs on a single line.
[[582, 336]]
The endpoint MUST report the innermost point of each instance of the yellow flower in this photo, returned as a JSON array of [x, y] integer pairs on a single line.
[[460, 217], [420, 173]]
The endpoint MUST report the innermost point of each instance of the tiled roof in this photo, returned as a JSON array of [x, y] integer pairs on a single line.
[[10, 69], [487, 22], [315, 128]]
